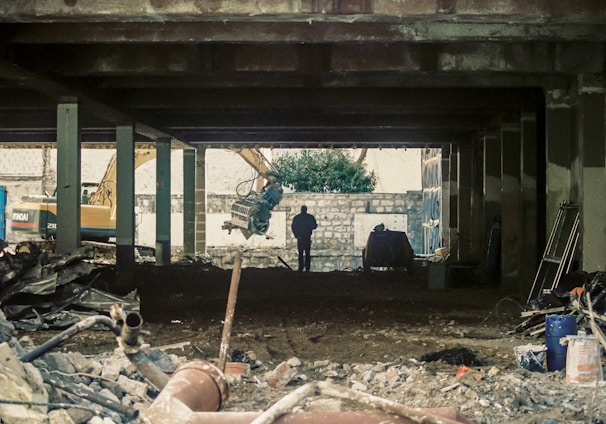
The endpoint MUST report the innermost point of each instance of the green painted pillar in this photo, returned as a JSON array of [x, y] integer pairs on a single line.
[[189, 202], [200, 200], [163, 203], [125, 198], [68, 176]]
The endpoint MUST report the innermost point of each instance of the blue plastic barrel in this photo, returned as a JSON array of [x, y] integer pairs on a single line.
[[2, 212], [556, 327]]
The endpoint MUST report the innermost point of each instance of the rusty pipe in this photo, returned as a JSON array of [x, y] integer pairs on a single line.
[[230, 310], [345, 417], [196, 386], [131, 344]]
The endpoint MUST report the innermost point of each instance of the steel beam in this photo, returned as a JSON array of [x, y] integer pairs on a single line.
[[305, 28], [34, 81]]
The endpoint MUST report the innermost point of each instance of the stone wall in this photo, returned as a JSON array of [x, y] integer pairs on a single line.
[[344, 221]]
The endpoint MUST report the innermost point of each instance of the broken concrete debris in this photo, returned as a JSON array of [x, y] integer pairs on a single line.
[[488, 394], [37, 382], [40, 385]]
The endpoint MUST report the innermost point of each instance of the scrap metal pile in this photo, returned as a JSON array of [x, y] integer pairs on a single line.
[[38, 290], [578, 293], [559, 290]]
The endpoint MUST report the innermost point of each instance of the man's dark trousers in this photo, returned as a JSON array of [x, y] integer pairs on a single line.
[[304, 246]]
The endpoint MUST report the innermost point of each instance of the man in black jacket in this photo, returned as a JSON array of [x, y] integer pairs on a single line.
[[302, 226]]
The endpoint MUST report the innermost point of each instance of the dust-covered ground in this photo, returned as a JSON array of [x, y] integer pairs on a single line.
[[367, 331]]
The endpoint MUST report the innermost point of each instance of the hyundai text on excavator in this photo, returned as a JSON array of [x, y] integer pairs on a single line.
[[251, 213], [37, 215]]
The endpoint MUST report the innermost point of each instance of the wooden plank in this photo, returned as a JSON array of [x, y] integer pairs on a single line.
[[524, 314]]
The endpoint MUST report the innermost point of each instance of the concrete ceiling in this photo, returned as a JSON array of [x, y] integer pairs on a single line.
[[293, 72]]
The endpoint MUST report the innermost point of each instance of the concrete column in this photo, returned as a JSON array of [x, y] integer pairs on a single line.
[[592, 187], [68, 176], [445, 218], [478, 236], [125, 207], [492, 179], [200, 208], [189, 202], [453, 221], [511, 208], [492, 206], [163, 202], [464, 204], [559, 133], [530, 202]]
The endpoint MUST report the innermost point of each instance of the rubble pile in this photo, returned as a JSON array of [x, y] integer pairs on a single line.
[[59, 384], [56, 386], [486, 394], [68, 387]]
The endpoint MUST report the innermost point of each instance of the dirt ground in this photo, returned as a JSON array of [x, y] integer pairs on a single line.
[[343, 319], [339, 316]]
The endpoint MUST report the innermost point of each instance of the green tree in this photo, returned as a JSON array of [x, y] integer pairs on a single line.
[[324, 171]]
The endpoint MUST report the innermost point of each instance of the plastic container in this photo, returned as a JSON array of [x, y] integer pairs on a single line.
[[530, 357], [583, 360], [556, 327]]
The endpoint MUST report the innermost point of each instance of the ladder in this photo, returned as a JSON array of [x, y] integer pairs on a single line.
[[559, 252]]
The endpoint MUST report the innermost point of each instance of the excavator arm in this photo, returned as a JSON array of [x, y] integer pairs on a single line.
[[251, 213], [106, 192]]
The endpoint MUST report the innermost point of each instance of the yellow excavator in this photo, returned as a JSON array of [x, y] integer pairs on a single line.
[[251, 213], [37, 215]]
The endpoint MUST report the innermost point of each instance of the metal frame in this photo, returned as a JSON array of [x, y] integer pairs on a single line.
[[558, 237]]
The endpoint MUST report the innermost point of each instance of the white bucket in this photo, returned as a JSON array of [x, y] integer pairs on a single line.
[[583, 362]]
